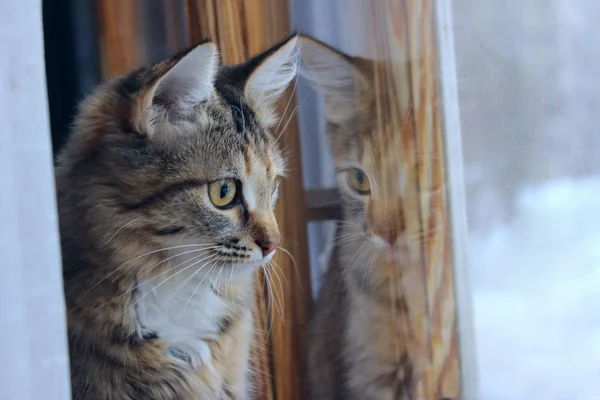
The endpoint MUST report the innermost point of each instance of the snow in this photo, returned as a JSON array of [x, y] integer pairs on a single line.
[[536, 294]]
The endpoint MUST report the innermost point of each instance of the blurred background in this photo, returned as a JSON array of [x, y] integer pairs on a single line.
[[529, 96], [529, 101]]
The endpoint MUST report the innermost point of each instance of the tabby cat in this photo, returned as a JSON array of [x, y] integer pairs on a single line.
[[359, 346], [166, 192]]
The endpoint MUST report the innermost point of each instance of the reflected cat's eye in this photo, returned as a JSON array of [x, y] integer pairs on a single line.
[[223, 192], [359, 181]]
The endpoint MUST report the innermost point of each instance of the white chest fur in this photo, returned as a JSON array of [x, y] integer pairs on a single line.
[[184, 311]]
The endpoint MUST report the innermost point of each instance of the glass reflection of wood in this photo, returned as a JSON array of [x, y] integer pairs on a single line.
[[404, 152]]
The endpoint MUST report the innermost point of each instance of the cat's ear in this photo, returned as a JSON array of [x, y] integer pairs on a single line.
[[275, 69], [181, 85], [336, 76]]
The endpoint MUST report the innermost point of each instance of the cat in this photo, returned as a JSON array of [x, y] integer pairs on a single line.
[[166, 192], [360, 348]]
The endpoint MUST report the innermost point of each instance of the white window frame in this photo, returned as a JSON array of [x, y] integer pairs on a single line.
[[34, 361]]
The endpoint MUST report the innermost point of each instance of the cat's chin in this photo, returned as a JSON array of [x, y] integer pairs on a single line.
[[253, 264]]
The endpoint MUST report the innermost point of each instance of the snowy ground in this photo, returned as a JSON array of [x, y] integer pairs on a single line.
[[536, 296]]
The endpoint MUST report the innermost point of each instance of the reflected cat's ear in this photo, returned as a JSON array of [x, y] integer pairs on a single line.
[[272, 72], [179, 84], [335, 76]]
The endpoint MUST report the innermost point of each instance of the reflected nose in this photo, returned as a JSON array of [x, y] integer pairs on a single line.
[[390, 236], [266, 247], [388, 233]]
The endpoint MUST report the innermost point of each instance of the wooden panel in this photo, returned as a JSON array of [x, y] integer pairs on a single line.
[[243, 28], [201, 20], [173, 11], [119, 36], [323, 204]]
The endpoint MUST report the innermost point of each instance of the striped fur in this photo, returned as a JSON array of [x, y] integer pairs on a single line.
[[158, 281]]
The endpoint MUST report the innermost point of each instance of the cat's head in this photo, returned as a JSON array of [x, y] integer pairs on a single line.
[[179, 155], [367, 152]]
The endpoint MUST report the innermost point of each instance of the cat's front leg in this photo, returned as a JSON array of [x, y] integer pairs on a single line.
[[231, 353], [376, 359]]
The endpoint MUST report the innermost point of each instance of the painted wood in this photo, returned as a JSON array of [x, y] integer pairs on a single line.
[[34, 360]]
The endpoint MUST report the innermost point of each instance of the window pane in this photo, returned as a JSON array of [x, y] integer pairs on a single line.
[[529, 94]]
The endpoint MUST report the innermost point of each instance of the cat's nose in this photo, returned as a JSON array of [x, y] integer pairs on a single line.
[[266, 247]]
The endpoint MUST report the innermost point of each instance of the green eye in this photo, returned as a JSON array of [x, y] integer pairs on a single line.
[[359, 181], [222, 192]]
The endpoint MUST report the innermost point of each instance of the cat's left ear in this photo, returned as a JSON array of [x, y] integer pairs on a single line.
[[183, 82], [276, 68]]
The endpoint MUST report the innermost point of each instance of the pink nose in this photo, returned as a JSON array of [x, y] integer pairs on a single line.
[[266, 247]]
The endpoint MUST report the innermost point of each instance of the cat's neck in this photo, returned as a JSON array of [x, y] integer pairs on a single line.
[[141, 292]]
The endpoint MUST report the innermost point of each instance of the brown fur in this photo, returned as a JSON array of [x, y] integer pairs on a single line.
[[131, 185]]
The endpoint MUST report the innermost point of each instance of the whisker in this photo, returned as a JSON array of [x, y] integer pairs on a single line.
[[272, 299], [184, 253], [123, 272], [292, 116], [287, 105], [278, 306], [231, 284], [164, 272], [348, 239], [349, 234], [218, 280], [274, 272], [165, 280], [167, 248], [194, 292], [186, 280], [121, 229], [294, 264], [342, 222], [273, 305], [272, 262]]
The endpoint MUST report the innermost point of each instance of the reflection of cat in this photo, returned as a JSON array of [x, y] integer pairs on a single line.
[[360, 347], [166, 193]]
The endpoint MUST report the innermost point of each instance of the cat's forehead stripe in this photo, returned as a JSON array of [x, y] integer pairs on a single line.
[[243, 116]]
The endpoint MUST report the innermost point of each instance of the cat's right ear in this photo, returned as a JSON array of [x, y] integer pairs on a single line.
[[334, 75], [182, 83]]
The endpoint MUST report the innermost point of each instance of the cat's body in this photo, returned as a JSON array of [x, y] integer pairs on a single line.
[[360, 345], [358, 340], [166, 193]]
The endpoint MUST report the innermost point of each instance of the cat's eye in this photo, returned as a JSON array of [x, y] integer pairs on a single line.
[[359, 181], [222, 193]]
